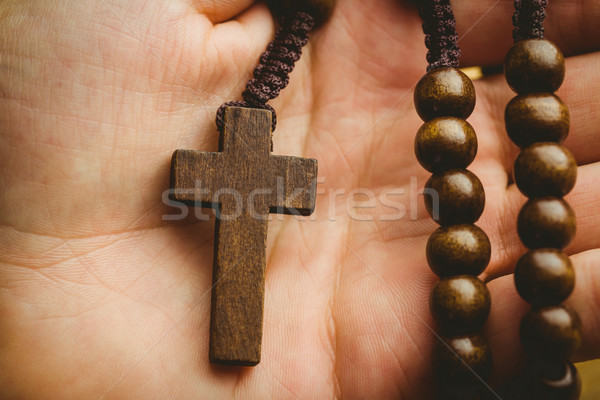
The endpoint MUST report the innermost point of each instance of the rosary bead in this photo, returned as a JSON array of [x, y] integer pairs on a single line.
[[458, 250], [553, 380], [445, 143], [460, 304], [546, 222], [320, 10], [537, 117], [552, 332], [543, 380], [534, 65], [460, 196], [545, 169], [444, 92], [460, 363], [544, 277]]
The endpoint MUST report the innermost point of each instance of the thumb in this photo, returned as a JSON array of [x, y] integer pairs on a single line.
[[221, 10]]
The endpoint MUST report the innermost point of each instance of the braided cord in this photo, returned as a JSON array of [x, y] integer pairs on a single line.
[[439, 26], [271, 75], [528, 19]]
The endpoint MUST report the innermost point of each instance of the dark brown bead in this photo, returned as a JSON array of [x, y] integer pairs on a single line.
[[544, 277], [543, 380], [553, 380], [460, 363], [445, 143], [552, 332], [545, 169], [460, 304], [546, 222], [516, 388], [320, 10], [534, 65], [458, 250], [537, 117], [454, 197], [444, 92]]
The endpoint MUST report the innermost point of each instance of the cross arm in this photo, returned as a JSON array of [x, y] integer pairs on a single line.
[[296, 185], [195, 176]]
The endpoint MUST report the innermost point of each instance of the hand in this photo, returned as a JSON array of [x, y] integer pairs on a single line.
[[102, 299]]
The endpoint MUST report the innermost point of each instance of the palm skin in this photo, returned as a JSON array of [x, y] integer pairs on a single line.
[[100, 297]]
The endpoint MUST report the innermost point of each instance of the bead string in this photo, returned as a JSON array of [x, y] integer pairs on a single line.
[[538, 121], [276, 63], [458, 251]]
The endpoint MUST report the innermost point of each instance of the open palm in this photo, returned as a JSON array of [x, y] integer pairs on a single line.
[[102, 297]]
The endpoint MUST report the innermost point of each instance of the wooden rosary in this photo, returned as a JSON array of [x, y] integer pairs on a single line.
[[458, 252], [537, 121], [243, 182]]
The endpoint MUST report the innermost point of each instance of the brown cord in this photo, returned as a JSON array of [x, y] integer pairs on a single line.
[[528, 19], [276, 63], [439, 26]]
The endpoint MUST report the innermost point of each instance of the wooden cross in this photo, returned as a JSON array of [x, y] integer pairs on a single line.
[[243, 182]]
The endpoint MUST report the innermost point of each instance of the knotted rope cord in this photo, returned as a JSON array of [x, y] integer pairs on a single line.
[[276, 63], [439, 26], [528, 19]]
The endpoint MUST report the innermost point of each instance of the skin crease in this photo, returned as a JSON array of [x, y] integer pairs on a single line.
[[102, 299]]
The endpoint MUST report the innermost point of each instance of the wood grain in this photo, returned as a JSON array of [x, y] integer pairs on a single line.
[[243, 182]]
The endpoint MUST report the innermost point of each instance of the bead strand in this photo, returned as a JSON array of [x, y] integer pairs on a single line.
[[538, 121], [458, 251]]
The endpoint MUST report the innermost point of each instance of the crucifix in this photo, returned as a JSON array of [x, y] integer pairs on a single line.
[[243, 182]]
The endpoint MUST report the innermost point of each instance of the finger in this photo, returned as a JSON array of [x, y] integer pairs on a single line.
[[218, 61], [221, 10], [236, 46], [586, 300], [500, 219], [502, 329], [579, 92], [485, 28]]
